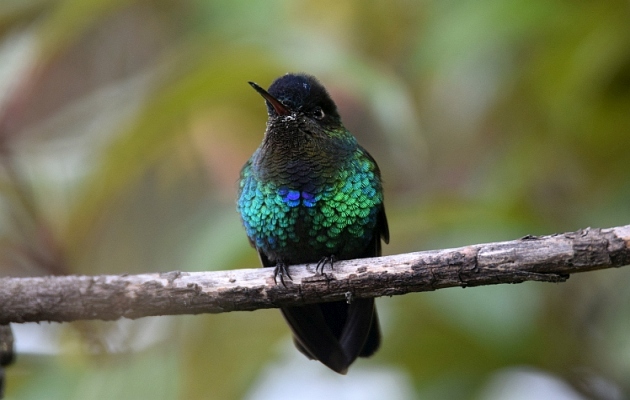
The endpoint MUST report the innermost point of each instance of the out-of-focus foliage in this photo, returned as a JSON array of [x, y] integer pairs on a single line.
[[123, 126]]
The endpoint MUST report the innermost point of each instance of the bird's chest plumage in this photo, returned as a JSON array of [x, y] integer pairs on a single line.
[[300, 212]]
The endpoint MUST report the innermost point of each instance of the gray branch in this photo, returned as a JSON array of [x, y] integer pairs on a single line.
[[108, 297]]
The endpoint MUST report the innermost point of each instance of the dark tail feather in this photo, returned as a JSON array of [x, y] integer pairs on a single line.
[[335, 333], [373, 341], [350, 324], [357, 328], [313, 337]]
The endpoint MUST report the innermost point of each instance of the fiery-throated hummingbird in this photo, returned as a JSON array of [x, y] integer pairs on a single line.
[[311, 194]]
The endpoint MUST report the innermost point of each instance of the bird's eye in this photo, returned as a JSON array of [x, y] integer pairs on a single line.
[[318, 113]]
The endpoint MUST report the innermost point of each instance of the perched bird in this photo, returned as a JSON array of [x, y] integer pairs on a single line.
[[311, 194]]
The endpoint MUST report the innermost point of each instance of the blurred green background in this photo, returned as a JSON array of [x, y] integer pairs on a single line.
[[124, 124]]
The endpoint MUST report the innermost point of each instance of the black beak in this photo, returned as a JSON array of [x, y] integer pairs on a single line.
[[280, 108]]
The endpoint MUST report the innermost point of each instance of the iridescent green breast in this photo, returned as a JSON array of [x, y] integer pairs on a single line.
[[300, 222]]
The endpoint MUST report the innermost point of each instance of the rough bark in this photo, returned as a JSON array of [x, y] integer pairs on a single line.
[[107, 297]]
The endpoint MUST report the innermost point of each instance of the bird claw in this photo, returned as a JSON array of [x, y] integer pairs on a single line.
[[282, 270], [319, 268]]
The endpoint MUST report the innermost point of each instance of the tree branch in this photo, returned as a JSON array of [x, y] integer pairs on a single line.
[[107, 297]]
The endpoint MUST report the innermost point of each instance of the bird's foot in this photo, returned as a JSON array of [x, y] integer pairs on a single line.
[[319, 268], [281, 270]]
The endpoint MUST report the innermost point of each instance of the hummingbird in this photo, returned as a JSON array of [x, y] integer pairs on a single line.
[[311, 194]]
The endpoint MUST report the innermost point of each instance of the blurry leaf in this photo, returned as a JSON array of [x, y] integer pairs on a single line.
[[71, 18], [150, 375], [212, 80], [225, 352]]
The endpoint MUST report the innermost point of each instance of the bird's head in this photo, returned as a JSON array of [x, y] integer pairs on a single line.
[[299, 96]]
